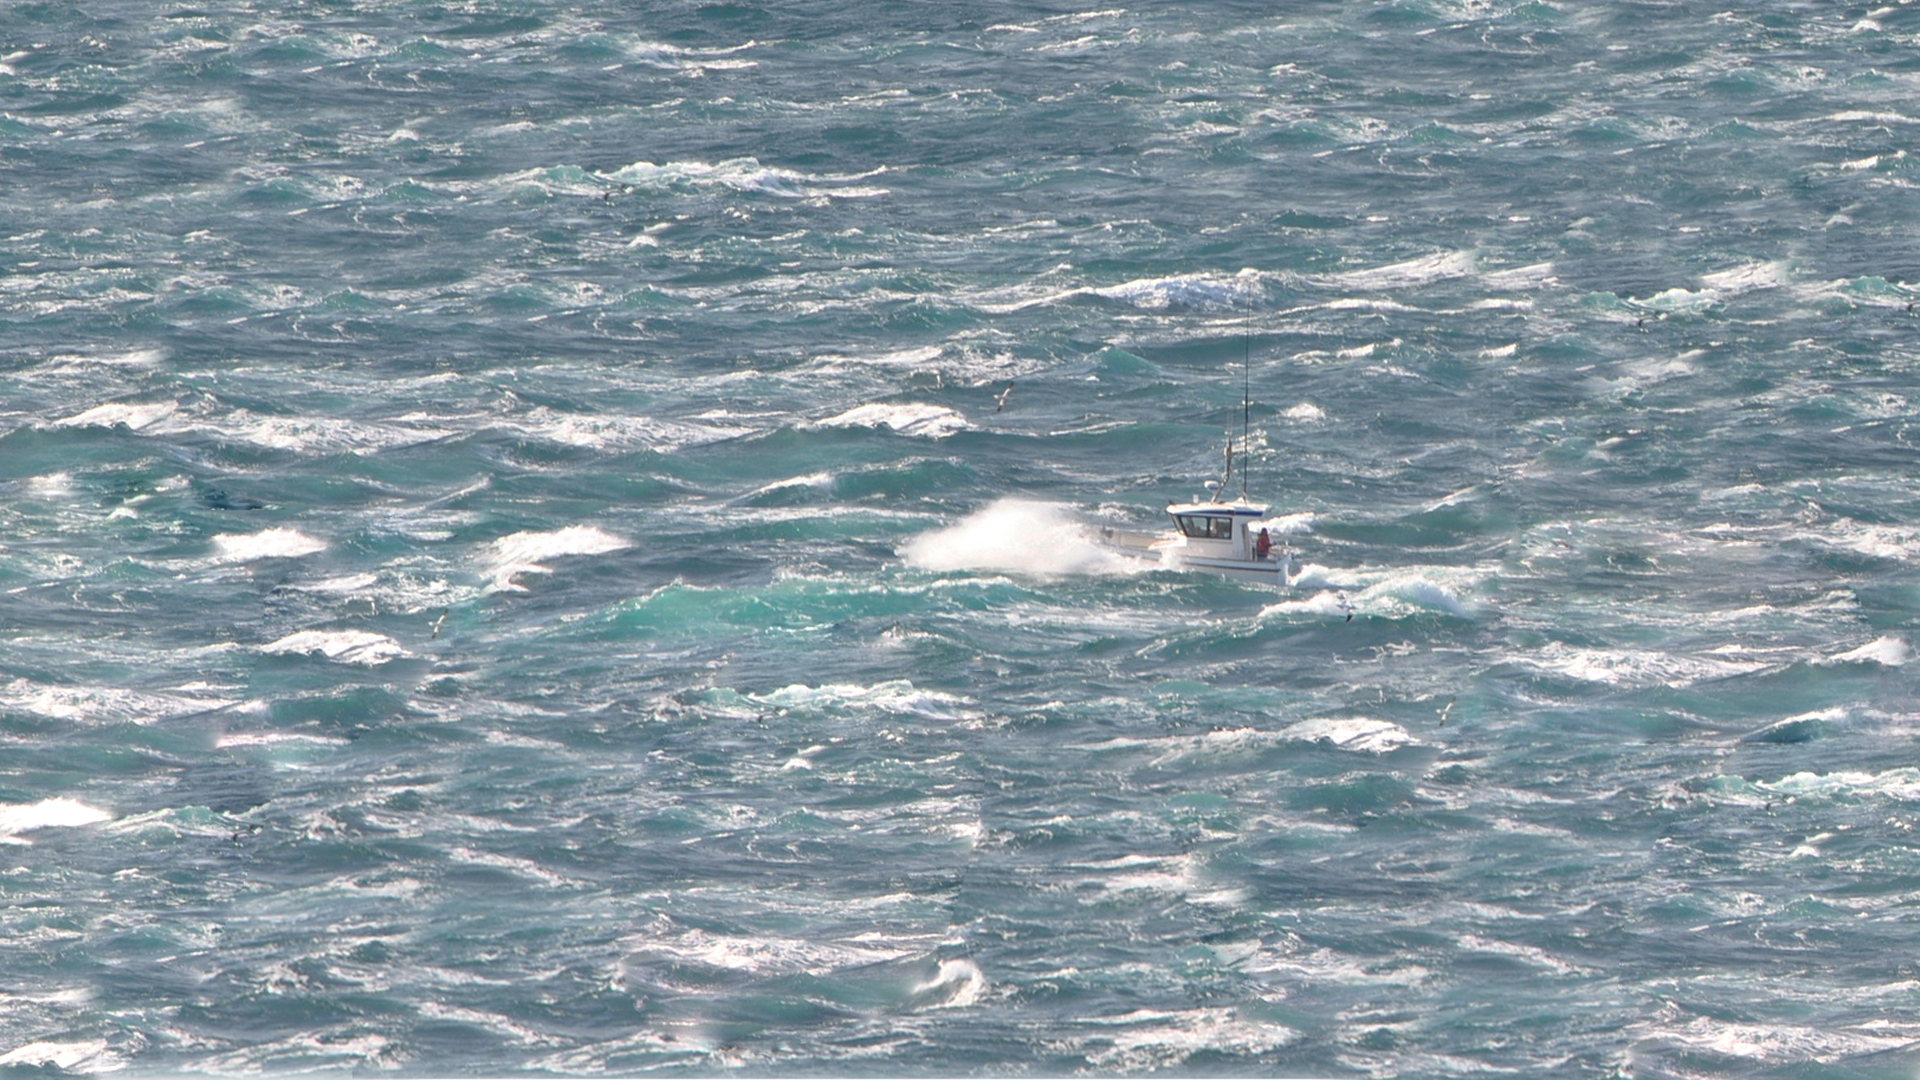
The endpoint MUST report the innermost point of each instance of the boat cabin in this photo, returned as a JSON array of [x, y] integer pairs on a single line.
[[1217, 530]]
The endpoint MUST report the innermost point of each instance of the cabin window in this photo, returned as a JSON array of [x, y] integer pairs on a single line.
[[1205, 526]]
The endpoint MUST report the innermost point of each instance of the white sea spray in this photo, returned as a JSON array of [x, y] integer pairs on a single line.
[[1019, 535]]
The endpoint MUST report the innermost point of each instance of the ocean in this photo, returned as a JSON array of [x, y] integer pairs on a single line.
[[557, 539]]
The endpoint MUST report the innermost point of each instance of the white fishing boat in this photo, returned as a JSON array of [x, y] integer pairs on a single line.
[[1232, 538]]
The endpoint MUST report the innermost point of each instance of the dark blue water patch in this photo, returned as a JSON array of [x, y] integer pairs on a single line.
[[28, 451], [1887, 605], [1366, 794], [340, 711], [222, 787]]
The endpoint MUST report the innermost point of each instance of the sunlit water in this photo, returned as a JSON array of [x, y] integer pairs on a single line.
[[554, 539]]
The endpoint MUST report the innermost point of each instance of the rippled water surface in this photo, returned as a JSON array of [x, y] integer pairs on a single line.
[[553, 539]]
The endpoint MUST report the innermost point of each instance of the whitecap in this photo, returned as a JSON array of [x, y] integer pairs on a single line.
[[344, 585], [742, 174], [1860, 116], [1352, 733], [1621, 667], [1196, 291], [524, 552], [512, 864], [51, 486], [318, 434], [614, 432], [897, 696], [1177, 749], [1316, 576], [392, 590], [136, 358], [1681, 301], [272, 738], [1886, 651], [1878, 541], [1167, 875], [1771, 1042], [134, 417], [1391, 595], [1902, 784], [900, 358], [1420, 271], [1421, 593], [279, 543], [1746, 278], [1145, 1040], [1799, 727], [497, 1023], [105, 704], [337, 1050], [691, 1047], [956, 985], [1290, 524], [818, 480], [911, 418], [1325, 603], [766, 953], [1357, 303], [1305, 412], [1527, 954], [346, 646], [82, 1057], [1519, 278], [55, 813]]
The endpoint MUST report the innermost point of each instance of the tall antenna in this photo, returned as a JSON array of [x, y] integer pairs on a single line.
[[1246, 399]]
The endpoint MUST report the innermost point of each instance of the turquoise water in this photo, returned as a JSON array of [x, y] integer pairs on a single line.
[[518, 554]]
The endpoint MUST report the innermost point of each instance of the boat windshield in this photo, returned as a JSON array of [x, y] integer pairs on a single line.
[[1205, 526]]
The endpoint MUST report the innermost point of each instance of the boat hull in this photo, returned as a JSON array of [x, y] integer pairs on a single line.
[[1268, 572], [1169, 551]]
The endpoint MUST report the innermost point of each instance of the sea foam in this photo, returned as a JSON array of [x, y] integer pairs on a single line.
[[526, 552], [1412, 272], [1192, 291], [910, 418], [1350, 733], [1147, 1040], [1886, 651], [55, 813], [267, 544], [1017, 535], [134, 417], [81, 1057], [346, 646]]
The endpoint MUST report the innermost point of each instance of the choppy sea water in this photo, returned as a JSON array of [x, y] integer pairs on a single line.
[[518, 556]]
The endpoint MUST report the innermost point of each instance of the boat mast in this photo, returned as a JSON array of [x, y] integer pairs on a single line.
[[1246, 399]]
